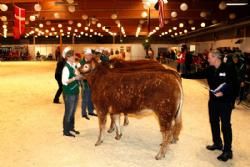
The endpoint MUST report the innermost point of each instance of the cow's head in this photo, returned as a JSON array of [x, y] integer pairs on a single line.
[[90, 66]]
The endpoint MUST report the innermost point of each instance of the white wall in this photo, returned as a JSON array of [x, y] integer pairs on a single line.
[[169, 46], [137, 50]]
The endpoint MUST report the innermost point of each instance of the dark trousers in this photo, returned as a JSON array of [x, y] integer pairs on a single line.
[[70, 102], [87, 102], [220, 113], [59, 91]]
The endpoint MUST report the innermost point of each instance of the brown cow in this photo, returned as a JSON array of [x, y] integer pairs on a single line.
[[128, 91], [121, 65]]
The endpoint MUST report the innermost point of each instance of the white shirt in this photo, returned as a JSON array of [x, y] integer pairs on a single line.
[[65, 74]]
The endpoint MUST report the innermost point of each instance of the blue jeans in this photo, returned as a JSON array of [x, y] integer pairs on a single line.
[[87, 102], [70, 102]]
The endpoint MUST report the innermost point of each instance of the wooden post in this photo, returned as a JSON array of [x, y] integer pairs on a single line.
[[113, 39], [34, 45], [73, 39], [61, 44], [149, 20], [34, 40]]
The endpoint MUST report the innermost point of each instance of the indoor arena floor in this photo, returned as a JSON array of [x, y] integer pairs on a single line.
[[31, 128]]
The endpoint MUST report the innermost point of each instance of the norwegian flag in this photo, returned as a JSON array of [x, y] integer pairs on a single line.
[[161, 13], [19, 22]]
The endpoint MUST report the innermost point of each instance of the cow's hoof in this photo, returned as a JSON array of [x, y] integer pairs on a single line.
[[159, 156], [118, 137], [98, 143], [174, 141], [111, 130]]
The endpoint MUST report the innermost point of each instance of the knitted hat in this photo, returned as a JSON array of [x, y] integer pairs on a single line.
[[68, 52]]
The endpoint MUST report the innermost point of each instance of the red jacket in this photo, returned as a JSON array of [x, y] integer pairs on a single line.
[[181, 57]]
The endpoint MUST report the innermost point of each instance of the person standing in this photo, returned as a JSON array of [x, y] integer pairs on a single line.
[[240, 68], [58, 53], [86, 91], [151, 53], [58, 76], [70, 92], [181, 59], [220, 79]]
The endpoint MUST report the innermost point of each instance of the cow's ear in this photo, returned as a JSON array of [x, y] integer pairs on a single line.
[[85, 68]]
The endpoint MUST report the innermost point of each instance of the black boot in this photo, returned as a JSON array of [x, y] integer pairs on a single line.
[[68, 134], [56, 101], [226, 155], [75, 131], [214, 147], [86, 117], [93, 114]]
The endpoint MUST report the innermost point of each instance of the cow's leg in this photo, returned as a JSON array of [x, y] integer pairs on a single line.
[[126, 122], [102, 121], [112, 124], [117, 125], [166, 131], [166, 136], [176, 130]]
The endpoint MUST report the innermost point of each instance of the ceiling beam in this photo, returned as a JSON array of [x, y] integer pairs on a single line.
[[19, 1]]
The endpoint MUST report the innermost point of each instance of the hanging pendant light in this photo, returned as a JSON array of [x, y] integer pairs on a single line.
[[3, 7], [56, 15], [32, 18], [114, 16], [4, 18], [222, 5], [174, 14], [190, 21], [84, 17], [232, 16], [203, 14], [184, 7], [37, 7], [70, 1], [71, 9], [48, 23]]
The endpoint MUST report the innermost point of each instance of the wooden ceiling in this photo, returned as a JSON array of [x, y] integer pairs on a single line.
[[128, 14]]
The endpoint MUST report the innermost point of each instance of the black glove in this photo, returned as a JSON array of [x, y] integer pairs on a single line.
[[182, 75]]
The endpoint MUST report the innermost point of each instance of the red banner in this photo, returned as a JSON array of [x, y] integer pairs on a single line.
[[19, 22], [161, 13]]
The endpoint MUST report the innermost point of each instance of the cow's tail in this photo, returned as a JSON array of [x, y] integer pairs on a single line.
[[178, 117], [177, 122]]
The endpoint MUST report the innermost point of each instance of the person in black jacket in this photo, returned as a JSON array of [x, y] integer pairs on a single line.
[[58, 77], [220, 79]]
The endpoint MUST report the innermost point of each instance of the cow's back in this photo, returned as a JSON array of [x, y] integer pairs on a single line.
[[132, 92]]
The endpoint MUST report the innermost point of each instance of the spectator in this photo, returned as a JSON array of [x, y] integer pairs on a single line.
[[70, 92], [58, 76], [220, 79]]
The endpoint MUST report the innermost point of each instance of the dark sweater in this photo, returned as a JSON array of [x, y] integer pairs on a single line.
[[59, 67], [216, 77]]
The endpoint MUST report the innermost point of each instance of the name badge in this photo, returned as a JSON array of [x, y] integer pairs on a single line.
[[222, 74]]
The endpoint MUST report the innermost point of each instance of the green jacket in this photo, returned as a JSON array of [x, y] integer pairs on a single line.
[[73, 87]]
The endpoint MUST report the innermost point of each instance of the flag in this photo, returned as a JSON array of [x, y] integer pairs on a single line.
[[16, 33], [161, 13], [19, 22]]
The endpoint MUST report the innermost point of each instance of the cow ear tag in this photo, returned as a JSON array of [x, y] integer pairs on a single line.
[[111, 66]]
